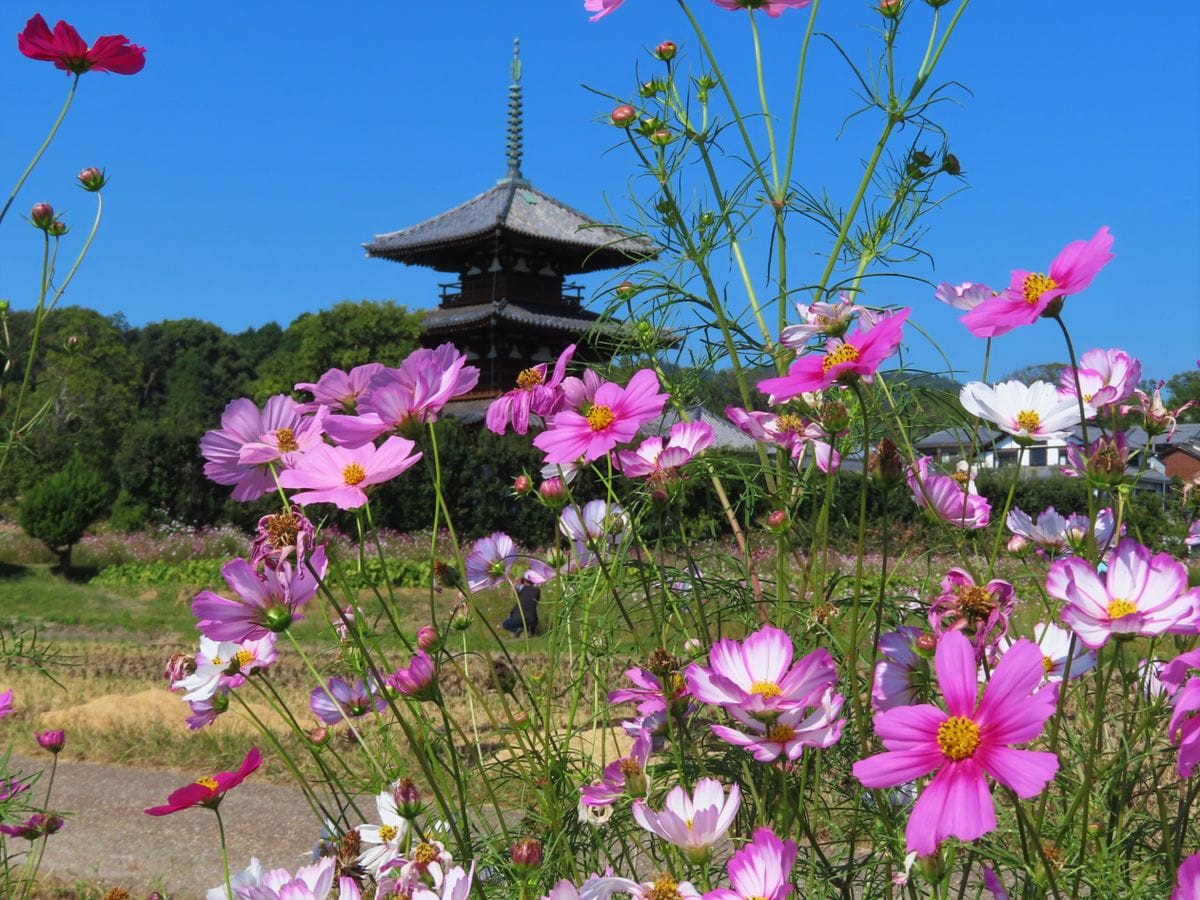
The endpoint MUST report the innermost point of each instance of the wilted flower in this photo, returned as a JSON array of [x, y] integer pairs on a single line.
[[979, 611], [279, 535], [35, 827], [1157, 418], [1102, 462]]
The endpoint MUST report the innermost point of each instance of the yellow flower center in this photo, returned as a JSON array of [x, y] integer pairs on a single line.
[[664, 887], [1118, 608], [599, 418], [843, 353], [529, 379], [958, 737], [766, 689], [286, 440], [961, 477], [629, 766], [210, 783], [1028, 420], [217, 661], [282, 530], [976, 602], [243, 657], [1047, 664], [425, 854], [387, 833], [353, 474], [790, 422], [780, 734], [1037, 284]]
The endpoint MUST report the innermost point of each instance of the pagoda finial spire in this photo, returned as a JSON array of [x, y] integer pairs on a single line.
[[515, 124]]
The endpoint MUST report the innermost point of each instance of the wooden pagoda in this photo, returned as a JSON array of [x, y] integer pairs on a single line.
[[512, 249]]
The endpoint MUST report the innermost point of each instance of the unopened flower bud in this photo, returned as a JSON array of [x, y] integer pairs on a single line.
[[91, 179], [526, 854], [921, 158], [52, 740], [522, 485], [408, 798], [57, 228], [446, 574], [659, 497], [886, 463], [42, 216], [553, 492], [623, 115], [319, 736], [666, 51], [427, 637], [650, 88], [4, 304], [461, 618], [1017, 544], [890, 9], [951, 165], [661, 137], [626, 289], [179, 667], [925, 644], [778, 519], [834, 416], [692, 645], [72, 343]]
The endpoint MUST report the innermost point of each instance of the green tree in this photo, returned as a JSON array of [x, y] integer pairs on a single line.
[[58, 510], [1182, 388]]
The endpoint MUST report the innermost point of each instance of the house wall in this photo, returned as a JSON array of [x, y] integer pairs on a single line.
[[1180, 464]]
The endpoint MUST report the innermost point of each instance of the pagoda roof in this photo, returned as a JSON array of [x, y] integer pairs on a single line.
[[445, 320], [517, 216]]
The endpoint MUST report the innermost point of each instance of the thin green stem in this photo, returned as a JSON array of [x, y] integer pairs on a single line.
[[62, 114]]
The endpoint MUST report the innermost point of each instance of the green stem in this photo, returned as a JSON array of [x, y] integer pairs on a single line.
[[42, 149], [224, 854]]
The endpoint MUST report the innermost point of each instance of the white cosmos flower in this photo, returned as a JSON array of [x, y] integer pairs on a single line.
[[1034, 411], [384, 839], [1055, 644]]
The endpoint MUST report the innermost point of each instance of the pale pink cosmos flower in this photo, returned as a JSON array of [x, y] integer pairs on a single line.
[[490, 560], [894, 683], [769, 735], [966, 742], [1058, 660], [251, 876], [225, 664], [1140, 594], [621, 777], [1187, 881], [1105, 377], [339, 390], [532, 395], [265, 602], [205, 712], [613, 418], [663, 885], [981, 612], [792, 432], [760, 870], [455, 886], [1029, 294], [773, 8], [965, 296], [244, 425], [293, 434], [597, 524], [692, 823], [340, 475], [943, 496], [601, 8], [830, 319], [313, 882], [757, 675], [659, 461], [1028, 412], [1193, 534], [384, 842], [857, 356]]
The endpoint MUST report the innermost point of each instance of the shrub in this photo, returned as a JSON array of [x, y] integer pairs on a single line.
[[58, 511]]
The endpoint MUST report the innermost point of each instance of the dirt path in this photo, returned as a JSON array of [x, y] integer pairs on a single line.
[[108, 841]]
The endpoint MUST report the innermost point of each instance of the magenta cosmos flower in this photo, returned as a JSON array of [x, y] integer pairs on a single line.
[[1029, 294], [622, 777], [1140, 594], [6, 703], [69, 52], [340, 475], [692, 823], [659, 461], [761, 870], [415, 680], [271, 433], [208, 791], [857, 356], [1105, 377], [945, 498], [1187, 884], [264, 602], [532, 395], [612, 418], [339, 390], [1184, 690], [965, 742]]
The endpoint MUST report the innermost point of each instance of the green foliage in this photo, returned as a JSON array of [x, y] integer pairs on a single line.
[[58, 511], [1182, 388], [191, 572]]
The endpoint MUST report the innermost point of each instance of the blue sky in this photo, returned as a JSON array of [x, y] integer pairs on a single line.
[[265, 142]]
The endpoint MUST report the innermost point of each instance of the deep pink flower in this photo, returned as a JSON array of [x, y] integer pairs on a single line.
[[1140, 594], [1030, 293], [659, 461], [340, 390], [1184, 690], [415, 680], [6, 707], [533, 394], [692, 823], [613, 418], [945, 498], [624, 776], [37, 826], [265, 602], [340, 475], [208, 791], [68, 51], [1105, 377], [11, 787], [980, 612], [965, 742], [651, 693], [857, 356], [1187, 884], [51, 740], [760, 870]]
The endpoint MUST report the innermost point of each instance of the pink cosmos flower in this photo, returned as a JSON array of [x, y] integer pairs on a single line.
[[1192, 540], [313, 882], [621, 777], [279, 535], [265, 603], [455, 886], [613, 417], [991, 881], [1105, 377], [769, 736], [653, 695], [1141, 594], [580, 393], [659, 462], [1187, 885], [601, 8], [1157, 418], [1102, 462], [340, 475], [11, 787], [1029, 294], [1184, 690], [857, 356], [243, 424], [205, 712], [945, 498], [6, 703], [830, 319], [289, 435], [339, 699], [208, 791], [340, 390], [490, 560], [34, 828], [664, 885], [692, 823], [894, 683], [760, 870], [426, 864], [51, 740], [1028, 412], [225, 665], [68, 51], [532, 395], [980, 612], [789, 431], [773, 8], [966, 742], [965, 296], [415, 680], [757, 675]]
